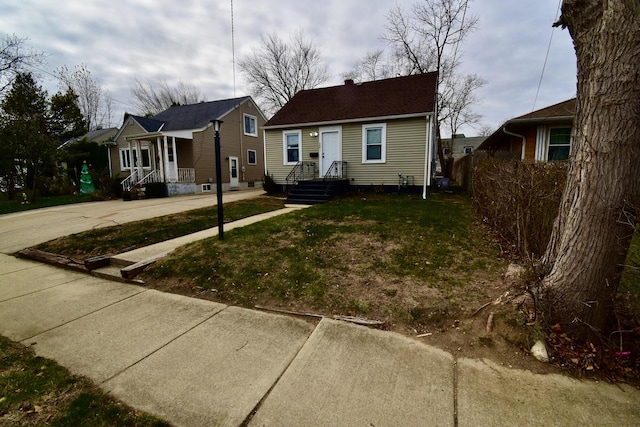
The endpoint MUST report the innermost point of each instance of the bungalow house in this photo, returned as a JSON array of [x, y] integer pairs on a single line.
[[177, 147], [377, 133], [541, 135]]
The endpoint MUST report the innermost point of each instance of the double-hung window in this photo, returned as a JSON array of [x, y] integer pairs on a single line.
[[252, 157], [374, 143], [250, 125], [130, 158], [125, 159], [559, 144], [292, 146]]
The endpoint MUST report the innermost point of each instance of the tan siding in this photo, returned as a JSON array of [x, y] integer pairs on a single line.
[[131, 128], [405, 152], [275, 151], [199, 153]]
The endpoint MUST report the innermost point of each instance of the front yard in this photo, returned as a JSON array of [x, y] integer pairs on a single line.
[[422, 268]]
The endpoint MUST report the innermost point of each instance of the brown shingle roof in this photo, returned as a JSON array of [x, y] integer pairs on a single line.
[[381, 98], [562, 109]]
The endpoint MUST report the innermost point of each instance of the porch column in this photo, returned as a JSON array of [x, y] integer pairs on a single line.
[[165, 160], [159, 151], [131, 165], [139, 160], [175, 158]]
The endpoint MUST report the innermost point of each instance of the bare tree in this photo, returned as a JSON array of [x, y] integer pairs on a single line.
[[373, 66], [15, 57], [414, 53], [457, 99], [485, 130], [599, 208], [151, 98], [278, 69], [93, 100], [425, 39]]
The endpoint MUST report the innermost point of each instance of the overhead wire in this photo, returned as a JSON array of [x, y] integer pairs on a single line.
[[546, 58]]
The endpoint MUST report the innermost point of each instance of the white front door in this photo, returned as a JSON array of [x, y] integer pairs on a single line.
[[171, 171], [330, 148], [233, 172]]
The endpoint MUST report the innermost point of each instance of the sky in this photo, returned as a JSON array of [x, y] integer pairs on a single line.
[[190, 41]]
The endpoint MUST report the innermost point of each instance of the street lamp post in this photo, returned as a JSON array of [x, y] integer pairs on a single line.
[[216, 129]]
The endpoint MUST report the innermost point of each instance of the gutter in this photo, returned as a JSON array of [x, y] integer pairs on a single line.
[[524, 140], [541, 120]]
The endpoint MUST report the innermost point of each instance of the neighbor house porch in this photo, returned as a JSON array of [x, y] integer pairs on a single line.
[[158, 157]]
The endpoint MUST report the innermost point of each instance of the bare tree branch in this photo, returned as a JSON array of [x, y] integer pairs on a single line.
[[152, 98], [94, 102], [278, 69], [15, 57]]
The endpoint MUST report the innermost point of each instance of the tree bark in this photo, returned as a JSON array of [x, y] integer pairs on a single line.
[[591, 236]]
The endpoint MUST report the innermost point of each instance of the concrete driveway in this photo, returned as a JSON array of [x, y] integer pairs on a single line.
[[25, 229]]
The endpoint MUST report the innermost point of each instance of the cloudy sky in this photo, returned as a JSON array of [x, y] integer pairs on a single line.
[[190, 41]]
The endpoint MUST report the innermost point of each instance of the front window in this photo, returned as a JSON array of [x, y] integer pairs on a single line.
[[559, 144], [374, 140], [130, 158], [250, 125], [125, 159], [251, 157], [292, 147]]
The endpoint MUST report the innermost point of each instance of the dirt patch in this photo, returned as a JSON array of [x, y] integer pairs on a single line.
[[358, 283]]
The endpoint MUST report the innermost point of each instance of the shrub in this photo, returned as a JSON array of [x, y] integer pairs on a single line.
[[155, 190], [269, 185], [519, 200]]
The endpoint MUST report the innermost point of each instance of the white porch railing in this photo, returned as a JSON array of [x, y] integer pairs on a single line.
[[130, 181], [153, 176], [187, 175]]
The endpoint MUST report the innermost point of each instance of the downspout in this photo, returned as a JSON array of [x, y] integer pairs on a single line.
[[109, 161], [427, 158], [524, 139], [264, 150]]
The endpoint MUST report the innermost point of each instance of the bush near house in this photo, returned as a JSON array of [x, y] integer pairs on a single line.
[[519, 200], [269, 184], [155, 190]]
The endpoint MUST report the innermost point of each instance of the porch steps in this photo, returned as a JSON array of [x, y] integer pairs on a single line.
[[316, 191]]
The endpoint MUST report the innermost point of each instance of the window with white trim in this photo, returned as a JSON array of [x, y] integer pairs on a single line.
[[250, 125], [128, 157], [292, 146], [125, 159], [252, 157], [559, 144], [374, 142]]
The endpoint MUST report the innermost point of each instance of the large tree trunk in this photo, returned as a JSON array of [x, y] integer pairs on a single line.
[[592, 233]]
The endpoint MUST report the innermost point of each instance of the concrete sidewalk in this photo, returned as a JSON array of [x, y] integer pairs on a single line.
[[199, 363]]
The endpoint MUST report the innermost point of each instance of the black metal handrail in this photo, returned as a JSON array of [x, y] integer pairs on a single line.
[[301, 171], [337, 170]]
